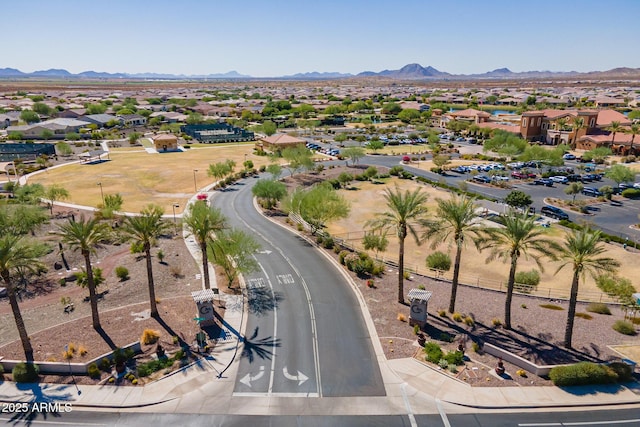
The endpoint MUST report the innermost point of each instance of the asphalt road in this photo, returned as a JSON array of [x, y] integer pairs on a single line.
[[305, 333], [622, 417]]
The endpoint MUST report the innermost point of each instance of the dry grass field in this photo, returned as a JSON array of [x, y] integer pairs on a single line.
[[367, 200], [142, 178]]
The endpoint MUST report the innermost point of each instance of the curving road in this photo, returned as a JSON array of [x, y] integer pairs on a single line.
[[305, 335]]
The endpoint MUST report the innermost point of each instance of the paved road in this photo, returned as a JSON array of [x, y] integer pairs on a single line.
[[305, 332]]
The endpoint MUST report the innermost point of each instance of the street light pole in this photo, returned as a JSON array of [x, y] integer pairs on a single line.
[[195, 185], [175, 205], [101, 193]]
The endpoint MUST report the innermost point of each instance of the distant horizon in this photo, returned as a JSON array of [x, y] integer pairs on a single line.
[[286, 37], [90, 70]]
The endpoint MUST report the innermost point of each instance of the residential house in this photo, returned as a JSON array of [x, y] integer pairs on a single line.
[[58, 127], [99, 119], [133, 120]]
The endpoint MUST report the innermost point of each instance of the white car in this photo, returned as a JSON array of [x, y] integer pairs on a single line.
[[636, 185], [559, 179]]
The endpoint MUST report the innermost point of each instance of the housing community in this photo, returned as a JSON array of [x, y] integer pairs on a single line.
[[583, 117]]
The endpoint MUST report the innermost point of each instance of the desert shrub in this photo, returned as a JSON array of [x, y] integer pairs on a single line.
[[475, 347], [363, 266], [453, 369], [93, 371], [175, 271], [622, 370], [457, 317], [105, 364], [521, 373], [416, 329], [396, 170], [160, 255], [342, 255], [82, 350], [350, 260], [1, 369], [585, 316], [442, 313], [328, 242], [67, 355], [455, 358], [598, 307], [25, 373], [378, 269], [129, 353], [624, 327], [530, 279], [180, 354], [433, 352], [401, 317], [582, 373], [122, 273], [300, 227], [443, 363], [496, 322], [72, 347], [406, 275], [439, 261], [469, 321], [149, 336], [551, 306]]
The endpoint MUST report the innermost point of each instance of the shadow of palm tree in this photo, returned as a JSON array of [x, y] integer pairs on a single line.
[[253, 347], [262, 300], [46, 401], [103, 334]]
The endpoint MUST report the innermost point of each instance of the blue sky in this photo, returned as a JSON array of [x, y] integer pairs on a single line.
[[266, 38]]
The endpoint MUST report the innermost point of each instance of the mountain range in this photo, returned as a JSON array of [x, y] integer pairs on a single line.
[[408, 72]]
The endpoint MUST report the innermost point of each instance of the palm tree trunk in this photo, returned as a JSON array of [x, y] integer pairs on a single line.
[[571, 315], [401, 271], [152, 289], [93, 299], [510, 284], [205, 265], [454, 282], [17, 316]]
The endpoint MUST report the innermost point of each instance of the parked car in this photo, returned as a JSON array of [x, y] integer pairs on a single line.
[[482, 178], [553, 212], [569, 156], [522, 175], [559, 179], [460, 169], [591, 191], [543, 181]]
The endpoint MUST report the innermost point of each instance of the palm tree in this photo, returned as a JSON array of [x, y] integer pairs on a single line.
[[15, 254], [406, 214], [582, 250], [457, 222], [520, 236], [633, 130], [143, 230], [202, 222], [614, 127], [86, 235], [578, 123]]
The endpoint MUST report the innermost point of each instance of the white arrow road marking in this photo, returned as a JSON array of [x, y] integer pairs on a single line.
[[300, 377], [264, 252], [246, 380]]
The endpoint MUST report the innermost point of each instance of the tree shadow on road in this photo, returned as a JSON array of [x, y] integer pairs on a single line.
[[262, 348], [45, 401], [262, 300]]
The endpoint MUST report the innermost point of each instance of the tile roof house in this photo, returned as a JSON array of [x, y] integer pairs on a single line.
[[278, 142], [165, 142]]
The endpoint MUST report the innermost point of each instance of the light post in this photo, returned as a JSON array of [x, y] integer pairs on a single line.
[[66, 349], [195, 185], [101, 193], [174, 206]]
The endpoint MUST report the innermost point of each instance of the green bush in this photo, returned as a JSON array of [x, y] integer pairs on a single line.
[[25, 373], [600, 308], [439, 261], [529, 279], [624, 327], [328, 242], [631, 193], [396, 170], [433, 352], [93, 371], [455, 358], [105, 364], [582, 373], [1, 369], [623, 370], [551, 307], [342, 255], [122, 273]]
